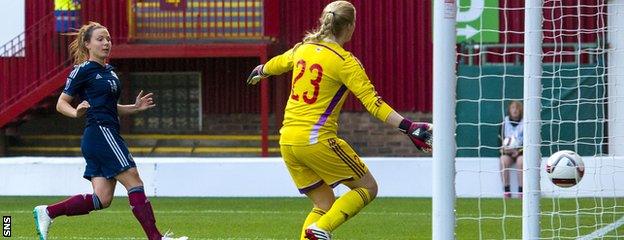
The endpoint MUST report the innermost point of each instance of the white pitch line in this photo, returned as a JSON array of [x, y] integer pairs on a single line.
[[601, 232]]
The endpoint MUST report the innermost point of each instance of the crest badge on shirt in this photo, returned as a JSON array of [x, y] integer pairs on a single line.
[[114, 75]]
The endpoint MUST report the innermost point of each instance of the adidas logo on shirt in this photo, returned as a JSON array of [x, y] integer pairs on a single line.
[[98, 76]]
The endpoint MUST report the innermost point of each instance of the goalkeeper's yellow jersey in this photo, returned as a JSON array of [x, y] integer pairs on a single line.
[[323, 75]]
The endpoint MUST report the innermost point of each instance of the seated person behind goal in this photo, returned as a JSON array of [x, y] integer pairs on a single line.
[[511, 149]]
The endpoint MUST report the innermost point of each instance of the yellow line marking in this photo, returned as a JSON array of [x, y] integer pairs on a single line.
[[44, 149], [145, 150], [204, 4], [141, 150], [173, 150], [249, 13], [190, 35], [193, 26], [232, 150], [220, 25], [226, 4], [159, 137]]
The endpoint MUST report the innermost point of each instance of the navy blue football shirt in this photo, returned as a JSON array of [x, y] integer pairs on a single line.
[[100, 86]]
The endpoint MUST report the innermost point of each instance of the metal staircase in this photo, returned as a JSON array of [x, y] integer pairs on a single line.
[[32, 67]]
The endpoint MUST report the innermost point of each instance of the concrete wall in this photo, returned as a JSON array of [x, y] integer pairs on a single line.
[[264, 177]]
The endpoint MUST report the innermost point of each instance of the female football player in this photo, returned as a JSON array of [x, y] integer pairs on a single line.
[[105, 152], [323, 75]]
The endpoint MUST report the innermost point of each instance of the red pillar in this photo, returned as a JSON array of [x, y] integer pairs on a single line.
[[264, 109], [272, 18]]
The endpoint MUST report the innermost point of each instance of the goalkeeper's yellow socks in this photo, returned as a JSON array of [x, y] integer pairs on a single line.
[[347, 206], [313, 216]]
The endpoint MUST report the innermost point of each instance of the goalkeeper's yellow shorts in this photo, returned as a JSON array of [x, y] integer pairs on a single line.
[[330, 161]]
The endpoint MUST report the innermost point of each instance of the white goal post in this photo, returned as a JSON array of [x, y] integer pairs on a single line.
[[532, 120], [444, 79]]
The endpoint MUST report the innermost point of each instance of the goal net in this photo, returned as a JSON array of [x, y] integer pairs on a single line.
[[581, 101]]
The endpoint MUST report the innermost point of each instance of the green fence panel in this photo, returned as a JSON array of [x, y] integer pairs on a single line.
[[573, 107]]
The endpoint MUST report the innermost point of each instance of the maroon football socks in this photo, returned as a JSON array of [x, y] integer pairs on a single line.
[[72, 206], [142, 210], [85, 203]]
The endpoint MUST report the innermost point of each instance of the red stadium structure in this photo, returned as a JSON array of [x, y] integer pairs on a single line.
[[147, 34], [41, 64], [223, 40]]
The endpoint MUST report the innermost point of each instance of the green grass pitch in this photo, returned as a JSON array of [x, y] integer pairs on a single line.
[[280, 218]]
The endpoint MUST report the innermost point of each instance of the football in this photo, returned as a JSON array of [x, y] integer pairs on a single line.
[[565, 168]]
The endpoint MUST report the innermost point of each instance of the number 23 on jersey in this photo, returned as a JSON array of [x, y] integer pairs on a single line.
[[307, 97]]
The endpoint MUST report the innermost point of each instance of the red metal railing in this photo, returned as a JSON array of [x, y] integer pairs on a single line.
[[192, 21], [29, 65], [41, 51]]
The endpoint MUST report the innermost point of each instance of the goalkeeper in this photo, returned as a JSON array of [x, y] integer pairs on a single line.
[[323, 75]]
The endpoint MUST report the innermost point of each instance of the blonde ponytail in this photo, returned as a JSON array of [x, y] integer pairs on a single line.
[[335, 18], [78, 48]]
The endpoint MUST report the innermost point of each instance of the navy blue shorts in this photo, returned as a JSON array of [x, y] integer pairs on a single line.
[[105, 152]]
